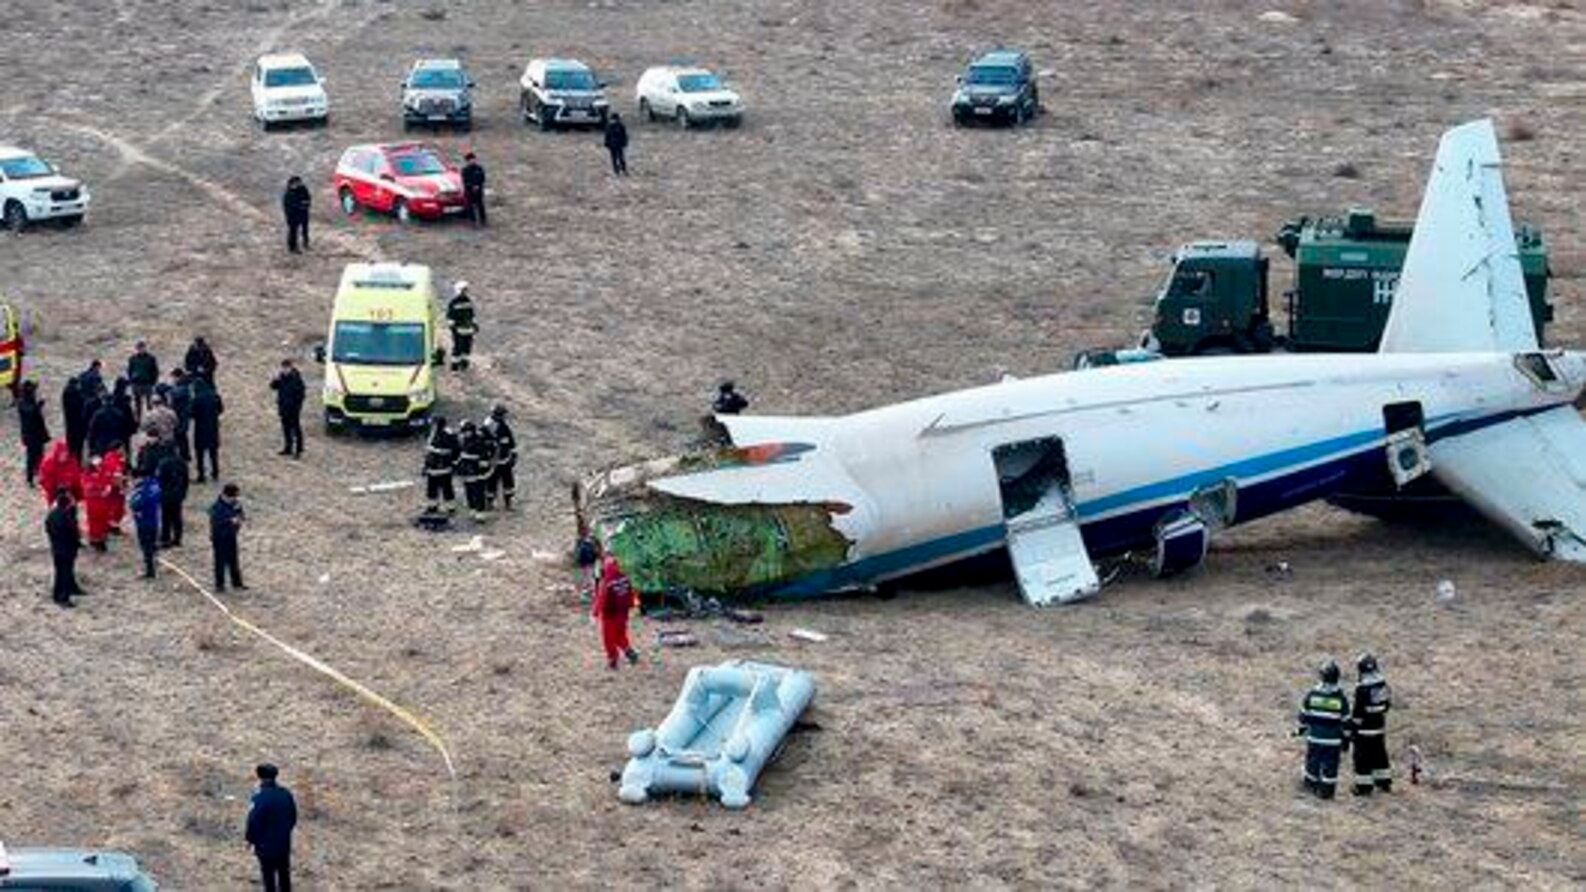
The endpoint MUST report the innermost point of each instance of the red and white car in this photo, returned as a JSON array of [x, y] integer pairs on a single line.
[[406, 180]]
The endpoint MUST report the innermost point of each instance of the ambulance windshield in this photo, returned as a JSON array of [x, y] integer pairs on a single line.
[[378, 343]]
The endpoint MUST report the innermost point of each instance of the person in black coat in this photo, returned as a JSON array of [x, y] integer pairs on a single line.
[[474, 188], [35, 433], [272, 815], [74, 411], [225, 521], [289, 396], [107, 426], [728, 400], [126, 414], [617, 144], [173, 476], [200, 360], [66, 540], [92, 380], [180, 399], [295, 202], [206, 410], [143, 372]]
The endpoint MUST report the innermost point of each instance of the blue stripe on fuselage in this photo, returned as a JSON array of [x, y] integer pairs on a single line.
[[1131, 529]]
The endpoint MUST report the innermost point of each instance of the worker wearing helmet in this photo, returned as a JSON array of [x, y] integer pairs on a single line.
[[1324, 714], [460, 316], [471, 469], [502, 479], [1370, 720]]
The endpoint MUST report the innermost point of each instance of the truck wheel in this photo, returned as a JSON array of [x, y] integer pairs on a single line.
[[400, 210], [683, 120], [547, 122], [349, 204], [72, 221], [16, 217], [646, 110]]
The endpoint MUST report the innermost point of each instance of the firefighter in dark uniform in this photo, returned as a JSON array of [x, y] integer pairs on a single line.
[[487, 463], [728, 400], [504, 481], [1370, 720], [460, 316], [440, 462], [471, 469], [1324, 716]]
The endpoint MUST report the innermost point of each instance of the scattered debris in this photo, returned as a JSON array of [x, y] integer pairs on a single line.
[[1346, 170], [1445, 591], [1280, 569], [382, 486], [493, 554], [808, 635], [547, 557], [676, 638], [1415, 764], [747, 617], [324, 579], [477, 543], [1277, 17], [1519, 131]]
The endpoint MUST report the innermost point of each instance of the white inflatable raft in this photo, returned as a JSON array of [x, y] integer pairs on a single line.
[[727, 723]]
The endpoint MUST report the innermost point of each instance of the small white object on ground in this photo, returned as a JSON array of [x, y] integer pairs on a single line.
[[808, 635], [477, 543], [1445, 591], [383, 486], [491, 555], [545, 557], [1277, 17], [324, 579]]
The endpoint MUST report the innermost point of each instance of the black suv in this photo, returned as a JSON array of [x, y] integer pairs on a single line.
[[999, 86]]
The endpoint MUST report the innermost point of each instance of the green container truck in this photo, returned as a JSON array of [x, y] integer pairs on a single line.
[[1215, 300]]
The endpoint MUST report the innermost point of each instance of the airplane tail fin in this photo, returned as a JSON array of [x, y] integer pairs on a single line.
[[1462, 288]]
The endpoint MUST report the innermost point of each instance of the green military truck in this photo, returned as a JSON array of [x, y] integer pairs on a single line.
[[1215, 299]]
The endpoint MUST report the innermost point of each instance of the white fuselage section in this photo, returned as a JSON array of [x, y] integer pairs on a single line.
[[1140, 438]]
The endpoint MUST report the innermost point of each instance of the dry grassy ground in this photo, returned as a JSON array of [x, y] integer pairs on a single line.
[[845, 248]]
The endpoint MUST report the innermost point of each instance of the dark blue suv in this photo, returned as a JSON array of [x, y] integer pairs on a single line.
[[999, 87]]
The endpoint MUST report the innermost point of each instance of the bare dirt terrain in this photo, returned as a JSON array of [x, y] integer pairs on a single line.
[[845, 248]]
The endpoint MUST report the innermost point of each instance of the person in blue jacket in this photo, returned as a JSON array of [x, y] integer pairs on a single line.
[[145, 505], [271, 817]]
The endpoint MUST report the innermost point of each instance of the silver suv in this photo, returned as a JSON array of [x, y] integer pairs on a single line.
[[436, 92], [76, 869]]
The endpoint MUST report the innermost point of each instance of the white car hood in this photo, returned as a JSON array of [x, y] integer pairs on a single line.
[[53, 183], [706, 96], [308, 91]]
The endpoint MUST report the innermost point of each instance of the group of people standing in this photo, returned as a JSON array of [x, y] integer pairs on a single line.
[[1330, 726], [126, 446], [483, 457]]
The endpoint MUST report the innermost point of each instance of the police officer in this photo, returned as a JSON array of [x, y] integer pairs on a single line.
[[460, 316], [295, 204], [440, 463], [504, 481], [474, 188], [728, 400], [289, 395], [1324, 714], [471, 469], [1370, 720], [226, 517], [66, 540]]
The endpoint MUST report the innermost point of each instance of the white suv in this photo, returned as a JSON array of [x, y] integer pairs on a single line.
[[31, 189], [688, 96], [287, 88], [561, 91]]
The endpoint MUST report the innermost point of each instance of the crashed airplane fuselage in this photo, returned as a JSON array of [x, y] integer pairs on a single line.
[[1154, 457]]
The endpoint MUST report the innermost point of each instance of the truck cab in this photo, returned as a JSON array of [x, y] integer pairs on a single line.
[[1214, 300], [381, 349]]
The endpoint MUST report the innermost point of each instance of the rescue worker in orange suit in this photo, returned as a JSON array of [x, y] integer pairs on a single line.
[[98, 485], [1370, 721], [60, 470], [116, 463], [613, 602], [1324, 718]]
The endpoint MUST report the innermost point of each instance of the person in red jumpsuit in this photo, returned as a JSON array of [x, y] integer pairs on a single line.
[[116, 465], [99, 486], [614, 601], [60, 470]]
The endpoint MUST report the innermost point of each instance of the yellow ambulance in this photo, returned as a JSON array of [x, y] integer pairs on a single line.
[[381, 349]]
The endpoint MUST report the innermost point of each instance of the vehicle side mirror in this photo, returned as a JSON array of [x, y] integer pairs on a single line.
[[319, 353]]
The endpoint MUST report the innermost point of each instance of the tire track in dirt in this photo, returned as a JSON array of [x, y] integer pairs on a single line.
[[131, 154]]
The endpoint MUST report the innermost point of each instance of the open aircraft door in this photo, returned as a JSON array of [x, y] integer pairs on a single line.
[[1044, 542]]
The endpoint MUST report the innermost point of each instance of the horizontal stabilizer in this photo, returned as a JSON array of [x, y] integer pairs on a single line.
[[1528, 475], [750, 430], [1462, 288], [810, 481]]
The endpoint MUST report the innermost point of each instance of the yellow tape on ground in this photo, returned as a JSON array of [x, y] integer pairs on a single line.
[[323, 668]]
